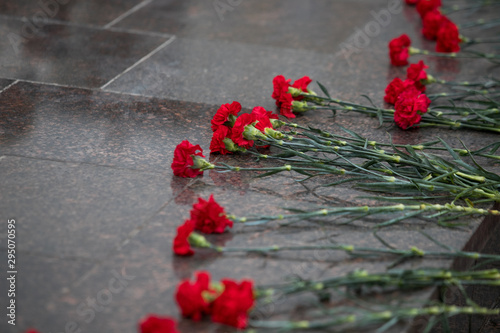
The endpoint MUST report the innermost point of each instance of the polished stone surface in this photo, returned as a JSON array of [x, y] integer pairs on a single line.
[[85, 171], [94, 12], [317, 25], [68, 55]]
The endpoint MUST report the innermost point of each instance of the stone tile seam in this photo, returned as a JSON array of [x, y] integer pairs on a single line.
[[92, 26], [140, 61], [10, 85], [128, 13]]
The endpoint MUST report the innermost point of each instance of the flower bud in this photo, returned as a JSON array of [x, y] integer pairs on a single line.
[[251, 133], [277, 123], [232, 147], [274, 134], [294, 91], [300, 106], [201, 164], [198, 240]]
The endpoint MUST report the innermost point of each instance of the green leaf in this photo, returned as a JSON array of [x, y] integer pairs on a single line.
[[323, 89]]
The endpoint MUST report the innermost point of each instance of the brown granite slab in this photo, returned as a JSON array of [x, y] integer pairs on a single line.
[[68, 55], [92, 12], [75, 210], [5, 83]]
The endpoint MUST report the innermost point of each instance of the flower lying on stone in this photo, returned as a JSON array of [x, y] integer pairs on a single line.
[[156, 324]]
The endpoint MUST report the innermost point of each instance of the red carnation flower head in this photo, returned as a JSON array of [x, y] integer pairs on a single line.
[[280, 87], [259, 111], [244, 132], [192, 297], [416, 73], [225, 114], [188, 160], [301, 84], [448, 38], [396, 87], [286, 101], [186, 237], [156, 324], [425, 6], [232, 306], [181, 243], [431, 24], [398, 50], [32, 331], [209, 217], [409, 107], [217, 145]]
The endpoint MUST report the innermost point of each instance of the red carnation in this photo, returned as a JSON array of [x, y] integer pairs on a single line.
[[181, 243], [156, 324], [431, 24], [301, 84], [425, 6], [412, 2], [396, 87], [409, 106], [448, 38], [183, 159], [32, 331], [286, 105], [209, 217], [416, 73], [260, 111], [238, 129], [222, 115], [232, 306], [280, 87], [217, 144], [398, 50], [189, 296]]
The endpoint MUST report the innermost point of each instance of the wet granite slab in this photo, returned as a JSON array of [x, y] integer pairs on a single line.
[[94, 12], [96, 127], [4, 83], [68, 55], [39, 283], [74, 210], [316, 25]]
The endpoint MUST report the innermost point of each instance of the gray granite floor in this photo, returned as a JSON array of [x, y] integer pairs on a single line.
[[94, 97]]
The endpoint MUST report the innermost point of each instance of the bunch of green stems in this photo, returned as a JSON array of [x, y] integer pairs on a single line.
[[482, 118], [344, 318]]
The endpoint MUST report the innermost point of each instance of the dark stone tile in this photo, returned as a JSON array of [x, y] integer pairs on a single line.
[[68, 55], [40, 285], [97, 127], [66, 209], [4, 83], [93, 12], [317, 25]]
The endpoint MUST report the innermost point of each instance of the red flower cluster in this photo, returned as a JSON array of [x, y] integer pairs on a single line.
[[181, 244], [425, 6], [209, 217], [398, 50], [229, 306], [415, 74], [156, 324], [183, 164], [229, 128], [283, 98], [206, 216], [410, 104]]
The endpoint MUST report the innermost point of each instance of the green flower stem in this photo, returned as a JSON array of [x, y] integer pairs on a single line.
[[463, 54], [223, 166], [360, 141], [413, 252], [367, 211], [367, 318], [456, 8], [401, 279], [480, 22]]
